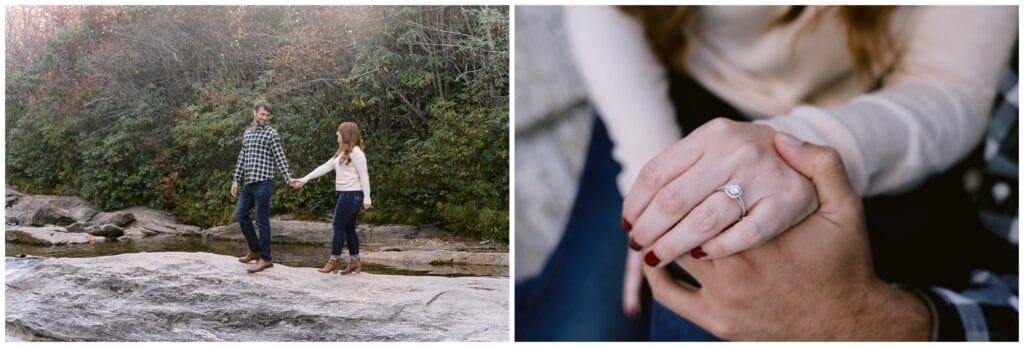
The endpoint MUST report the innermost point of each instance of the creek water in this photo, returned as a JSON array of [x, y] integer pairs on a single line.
[[295, 255]]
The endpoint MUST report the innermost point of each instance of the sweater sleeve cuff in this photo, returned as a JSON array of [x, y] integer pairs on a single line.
[[814, 125]]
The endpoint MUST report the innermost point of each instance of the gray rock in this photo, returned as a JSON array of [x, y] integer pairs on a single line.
[[207, 297], [159, 222], [40, 210], [437, 257], [118, 218], [47, 236], [79, 227], [106, 230]]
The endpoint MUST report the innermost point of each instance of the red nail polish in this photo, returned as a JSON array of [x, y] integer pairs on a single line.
[[633, 245], [632, 313], [698, 253], [626, 225], [651, 259]]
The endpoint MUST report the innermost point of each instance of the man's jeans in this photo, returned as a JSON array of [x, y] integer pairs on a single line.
[[578, 294], [346, 209], [258, 194]]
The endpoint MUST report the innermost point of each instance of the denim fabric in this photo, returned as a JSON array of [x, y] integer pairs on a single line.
[[577, 294], [346, 209], [256, 194]]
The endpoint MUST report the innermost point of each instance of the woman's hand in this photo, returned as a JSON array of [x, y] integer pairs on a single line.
[[367, 206], [296, 183], [675, 207]]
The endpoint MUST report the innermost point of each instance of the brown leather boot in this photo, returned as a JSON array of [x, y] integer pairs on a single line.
[[260, 266], [354, 266], [250, 257], [332, 266]]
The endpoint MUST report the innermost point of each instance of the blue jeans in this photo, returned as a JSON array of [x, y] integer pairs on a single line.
[[577, 295], [258, 194], [345, 212]]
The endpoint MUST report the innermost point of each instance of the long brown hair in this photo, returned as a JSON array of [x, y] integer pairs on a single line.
[[867, 33], [350, 138]]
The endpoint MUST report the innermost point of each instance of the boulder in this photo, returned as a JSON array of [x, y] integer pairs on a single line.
[[208, 297], [40, 210], [159, 222], [47, 236], [119, 218], [106, 230]]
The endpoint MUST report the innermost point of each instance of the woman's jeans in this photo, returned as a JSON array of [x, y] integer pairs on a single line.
[[256, 194], [345, 212]]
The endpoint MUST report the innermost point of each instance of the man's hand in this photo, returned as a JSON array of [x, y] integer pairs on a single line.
[[296, 183], [812, 282], [234, 189], [367, 206]]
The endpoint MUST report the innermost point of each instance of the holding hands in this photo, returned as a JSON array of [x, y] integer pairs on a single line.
[[296, 183], [720, 190], [814, 282]]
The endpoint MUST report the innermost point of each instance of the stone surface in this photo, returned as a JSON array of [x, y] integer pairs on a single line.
[[106, 230], [438, 257], [156, 221], [207, 297], [118, 218], [40, 210], [50, 235]]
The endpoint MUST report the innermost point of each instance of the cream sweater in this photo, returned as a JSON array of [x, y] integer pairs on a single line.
[[351, 176], [930, 111]]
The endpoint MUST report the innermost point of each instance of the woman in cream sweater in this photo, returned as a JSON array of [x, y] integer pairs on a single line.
[[352, 182]]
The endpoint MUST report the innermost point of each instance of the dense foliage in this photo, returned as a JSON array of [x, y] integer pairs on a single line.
[[146, 105]]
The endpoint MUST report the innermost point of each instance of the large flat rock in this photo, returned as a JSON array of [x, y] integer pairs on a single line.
[[178, 296], [47, 236]]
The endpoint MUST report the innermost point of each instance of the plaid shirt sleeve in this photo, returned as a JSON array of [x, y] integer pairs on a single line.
[[238, 166], [279, 158], [986, 309]]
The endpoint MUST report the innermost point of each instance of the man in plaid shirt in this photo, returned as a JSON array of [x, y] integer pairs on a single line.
[[254, 172]]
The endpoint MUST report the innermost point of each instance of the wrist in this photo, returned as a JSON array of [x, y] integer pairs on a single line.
[[887, 313]]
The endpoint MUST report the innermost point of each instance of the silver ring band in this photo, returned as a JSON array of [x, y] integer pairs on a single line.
[[735, 192]]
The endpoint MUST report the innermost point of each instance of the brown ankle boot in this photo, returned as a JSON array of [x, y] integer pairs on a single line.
[[354, 266], [260, 266], [250, 257], [332, 266]]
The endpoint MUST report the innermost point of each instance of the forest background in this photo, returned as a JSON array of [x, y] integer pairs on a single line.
[[146, 105]]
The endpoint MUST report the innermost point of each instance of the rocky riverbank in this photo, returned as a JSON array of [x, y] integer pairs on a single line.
[[177, 296], [62, 220]]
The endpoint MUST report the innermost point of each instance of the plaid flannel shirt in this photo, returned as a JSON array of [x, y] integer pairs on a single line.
[[261, 151], [986, 309]]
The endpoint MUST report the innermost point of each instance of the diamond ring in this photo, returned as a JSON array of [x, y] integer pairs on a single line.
[[736, 192]]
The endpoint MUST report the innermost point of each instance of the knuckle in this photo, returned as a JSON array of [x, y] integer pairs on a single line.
[[717, 125], [752, 236], [670, 199], [703, 219], [748, 150], [830, 159], [652, 173]]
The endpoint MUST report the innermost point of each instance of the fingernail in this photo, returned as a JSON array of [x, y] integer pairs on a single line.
[[698, 253], [790, 141], [626, 225], [651, 259], [633, 245]]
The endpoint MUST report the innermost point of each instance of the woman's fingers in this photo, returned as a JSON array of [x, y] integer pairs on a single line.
[[676, 199], [713, 215], [658, 172], [751, 231], [631, 284]]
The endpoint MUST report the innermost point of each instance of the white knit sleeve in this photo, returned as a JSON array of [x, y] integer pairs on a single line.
[[625, 82], [931, 110]]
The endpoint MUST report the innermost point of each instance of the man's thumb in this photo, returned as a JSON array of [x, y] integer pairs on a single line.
[[822, 165]]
